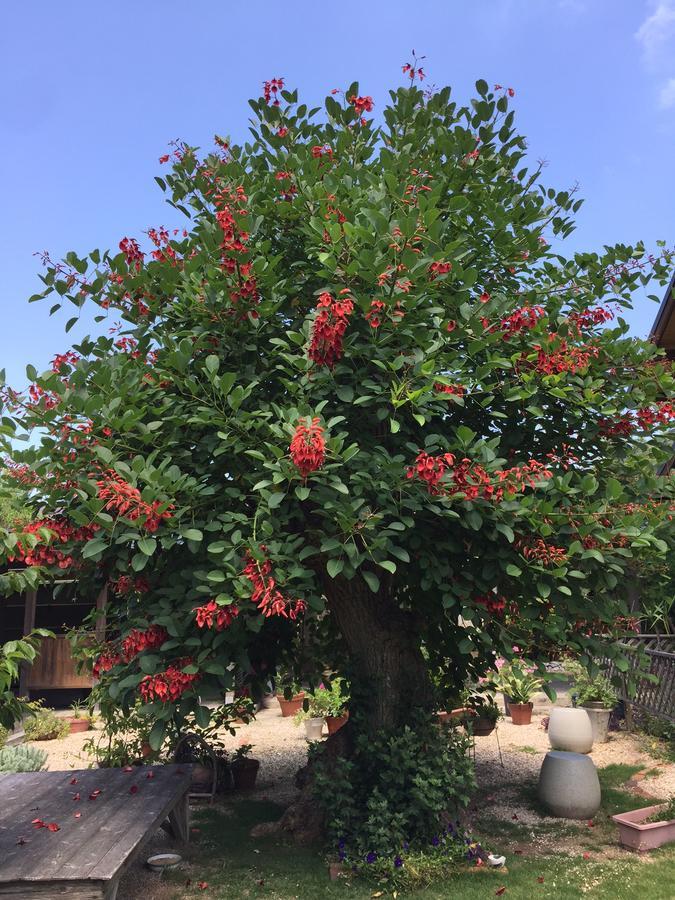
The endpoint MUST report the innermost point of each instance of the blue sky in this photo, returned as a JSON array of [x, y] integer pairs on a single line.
[[91, 94]]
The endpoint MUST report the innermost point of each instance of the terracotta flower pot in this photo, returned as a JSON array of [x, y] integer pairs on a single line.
[[290, 707], [335, 723], [244, 774], [521, 713], [78, 725], [638, 835]]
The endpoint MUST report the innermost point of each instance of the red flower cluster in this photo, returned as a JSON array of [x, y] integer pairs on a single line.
[[169, 685], [265, 592], [132, 253], [325, 348], [594, 315], [164, 251], [362, 104], [49, 399], [271, 89], [494, 603], [413, 70], [105, 662], [137, 641], [456, 389], [230, 204], [471, 480], [46, 552], [431, 469], [439, 268], [126, 500], [645, 418], [523, 319], [564, 359], [308, 447], [125, 584], [212, 614], [374, 313], [321, 150], [546, 554], [70, 358]]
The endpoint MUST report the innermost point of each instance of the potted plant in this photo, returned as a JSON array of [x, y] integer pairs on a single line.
[[79, 720], [648, 828], [519, 684], [312, 718], [595, 694], [289, 694], [244, 769], [486, 713], [332, 701]]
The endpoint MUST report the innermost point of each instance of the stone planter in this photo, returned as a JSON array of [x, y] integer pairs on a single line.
[[521, 713], [599, 718], [314, 729], [569, 786], [634, 833], [290, 707], [570, 729]]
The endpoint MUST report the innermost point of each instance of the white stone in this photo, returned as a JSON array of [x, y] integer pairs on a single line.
[[570, 729], [568, 785]]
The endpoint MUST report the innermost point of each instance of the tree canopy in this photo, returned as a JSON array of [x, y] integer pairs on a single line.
[[356, 378]]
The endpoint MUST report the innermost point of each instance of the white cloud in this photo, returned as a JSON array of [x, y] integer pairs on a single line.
[[656, 32], [667, 95]]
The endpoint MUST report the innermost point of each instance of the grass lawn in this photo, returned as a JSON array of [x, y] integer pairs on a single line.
[[544, 861]]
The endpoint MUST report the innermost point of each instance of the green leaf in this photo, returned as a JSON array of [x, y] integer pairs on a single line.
[[371, 580], [506, 531], [156, 737], [192, 534], [302, 493], [334, 567], [147, 545], [93, 548], [212, 363], [514, 571], [388, 565]]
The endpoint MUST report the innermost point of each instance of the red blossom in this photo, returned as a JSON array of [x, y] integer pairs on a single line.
[[362, 104], [164, 159], [330, 324], [125, 500], [456, 390], [308, 447], [265, 591], [523, 319], [270, 90], [212, 614], [137, 641], [132, 253], [168, 685]]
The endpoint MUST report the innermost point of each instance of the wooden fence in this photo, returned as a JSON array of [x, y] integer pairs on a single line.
[[658, 653]]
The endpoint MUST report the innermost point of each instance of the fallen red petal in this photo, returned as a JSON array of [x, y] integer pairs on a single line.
[[500, 891], [540, 880], [133, 789], [76, 797], [591, 824], [73, 780], [586, 855], [38, 823], [128, 769], [94, 795], [150, 774], [202, 885], [53, 826], [77, 815]]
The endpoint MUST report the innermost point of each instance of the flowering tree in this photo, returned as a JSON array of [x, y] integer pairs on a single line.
[[358, 376]]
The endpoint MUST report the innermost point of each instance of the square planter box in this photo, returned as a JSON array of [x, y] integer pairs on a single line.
[[638, 836]]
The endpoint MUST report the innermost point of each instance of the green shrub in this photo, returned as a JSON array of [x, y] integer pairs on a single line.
[[44, 725], [395, 796], [4, 732], [22, 759]]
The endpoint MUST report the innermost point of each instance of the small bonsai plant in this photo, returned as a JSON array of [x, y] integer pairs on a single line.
[[44, 725], [589, 688], [485, 708]]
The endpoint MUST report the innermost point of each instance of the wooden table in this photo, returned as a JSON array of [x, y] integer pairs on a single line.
[[86, 855]]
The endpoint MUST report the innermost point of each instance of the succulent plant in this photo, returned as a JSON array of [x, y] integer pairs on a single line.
[[22, 759]]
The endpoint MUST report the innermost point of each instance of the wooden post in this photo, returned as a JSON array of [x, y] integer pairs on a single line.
[[30, 605], [101, 603]]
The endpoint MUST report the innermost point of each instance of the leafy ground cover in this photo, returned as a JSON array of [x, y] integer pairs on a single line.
[[544, 860]]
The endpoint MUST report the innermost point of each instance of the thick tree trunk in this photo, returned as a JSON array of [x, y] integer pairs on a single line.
[[390, 675], [389, 682]]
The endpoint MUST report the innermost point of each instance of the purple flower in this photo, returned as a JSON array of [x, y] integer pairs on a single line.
[[405, 845], [372, 856], [434, 841], [398, 862], [341, 843]]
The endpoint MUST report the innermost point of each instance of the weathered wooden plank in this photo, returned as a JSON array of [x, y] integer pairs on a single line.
[[74, 890], [110, 827]]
